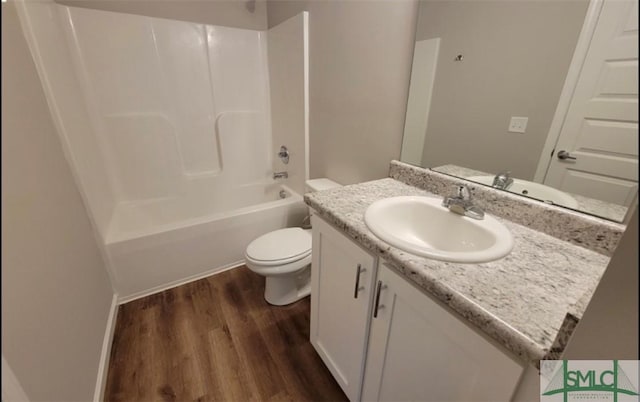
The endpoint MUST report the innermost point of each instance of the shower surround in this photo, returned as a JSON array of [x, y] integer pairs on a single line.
[[168, 128]]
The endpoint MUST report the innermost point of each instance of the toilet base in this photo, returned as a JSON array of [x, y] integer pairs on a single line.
[[287, 289]]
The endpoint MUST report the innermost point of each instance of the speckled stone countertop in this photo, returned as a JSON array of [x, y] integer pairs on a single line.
[[529, 301], [592, 206]]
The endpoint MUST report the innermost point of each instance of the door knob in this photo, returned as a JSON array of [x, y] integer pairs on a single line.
[[564, 155]]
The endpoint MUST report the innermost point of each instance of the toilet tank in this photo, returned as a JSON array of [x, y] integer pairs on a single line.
[[320, 184], [314, 185]]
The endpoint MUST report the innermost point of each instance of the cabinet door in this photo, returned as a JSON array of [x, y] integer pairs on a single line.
[[420, 351], [339, 312]]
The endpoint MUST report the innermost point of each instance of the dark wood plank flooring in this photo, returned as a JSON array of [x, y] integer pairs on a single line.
[[216, 339]]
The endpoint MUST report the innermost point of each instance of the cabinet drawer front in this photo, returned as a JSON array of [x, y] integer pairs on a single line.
[[342, 278], [418, 350]]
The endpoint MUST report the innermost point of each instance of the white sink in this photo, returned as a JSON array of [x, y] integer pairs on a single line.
[[533, 190], [422, 226]]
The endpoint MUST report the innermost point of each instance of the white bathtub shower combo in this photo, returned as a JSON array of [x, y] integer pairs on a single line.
[[172, 130]]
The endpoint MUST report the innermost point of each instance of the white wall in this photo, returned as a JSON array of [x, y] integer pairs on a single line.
[[288, 82], [178, 105], [70, 111], [609, 326], [359, 71], [359, 65], [169, 109], [247, 14], [56, 293]]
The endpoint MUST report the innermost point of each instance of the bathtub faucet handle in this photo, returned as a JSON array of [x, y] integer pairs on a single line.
[[280, 175], [284, 154]]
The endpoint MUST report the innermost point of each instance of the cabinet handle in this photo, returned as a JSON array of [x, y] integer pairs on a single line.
[[377, 306], [358, 272]]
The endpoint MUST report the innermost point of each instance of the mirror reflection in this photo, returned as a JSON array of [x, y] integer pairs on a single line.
[[534, 97]]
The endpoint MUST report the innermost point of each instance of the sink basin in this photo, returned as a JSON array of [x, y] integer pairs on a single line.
[[422, 226], [533, 190]]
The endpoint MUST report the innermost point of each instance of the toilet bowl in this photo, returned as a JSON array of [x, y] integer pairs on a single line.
[[283, 257]]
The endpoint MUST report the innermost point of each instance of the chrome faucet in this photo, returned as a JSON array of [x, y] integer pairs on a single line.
[[280, 175], [461, 203], [503, 180]]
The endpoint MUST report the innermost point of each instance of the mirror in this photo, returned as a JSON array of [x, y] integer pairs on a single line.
[[486, 86]]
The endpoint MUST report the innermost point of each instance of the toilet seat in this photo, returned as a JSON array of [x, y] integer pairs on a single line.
[[280, 247]]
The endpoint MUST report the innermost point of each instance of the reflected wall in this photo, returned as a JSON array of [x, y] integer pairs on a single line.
[[516, 55]]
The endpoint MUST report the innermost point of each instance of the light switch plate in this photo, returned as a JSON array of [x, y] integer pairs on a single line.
[[518, 124]]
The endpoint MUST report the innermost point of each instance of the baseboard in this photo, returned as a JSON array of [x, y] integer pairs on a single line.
[[103, 368], [179, 282]]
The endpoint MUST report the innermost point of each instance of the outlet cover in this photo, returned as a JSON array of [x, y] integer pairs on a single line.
[[518, 124]]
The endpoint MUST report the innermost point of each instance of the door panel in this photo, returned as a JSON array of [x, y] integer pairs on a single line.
[[609, 136], [619, 78], [601, 125], [420, 351], [339, 319]]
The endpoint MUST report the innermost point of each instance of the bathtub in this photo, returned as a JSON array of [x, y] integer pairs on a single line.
[[152, 246]]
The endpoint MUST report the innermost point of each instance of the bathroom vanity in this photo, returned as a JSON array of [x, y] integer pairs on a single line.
[[391, 325], [385, 339]]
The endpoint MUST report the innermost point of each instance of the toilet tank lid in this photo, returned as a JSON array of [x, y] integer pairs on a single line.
[[321, 184]]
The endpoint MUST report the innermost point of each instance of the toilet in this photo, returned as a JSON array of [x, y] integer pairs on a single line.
[[284, 258]]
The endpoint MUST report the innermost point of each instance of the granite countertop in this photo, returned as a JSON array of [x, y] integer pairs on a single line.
[[529, 301], [591, 206]]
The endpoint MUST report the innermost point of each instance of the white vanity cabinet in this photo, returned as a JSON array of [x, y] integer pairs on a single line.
[[342, 279], [419, 351], [402, 345]]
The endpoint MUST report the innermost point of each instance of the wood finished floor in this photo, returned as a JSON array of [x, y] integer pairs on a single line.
[[216, 339]]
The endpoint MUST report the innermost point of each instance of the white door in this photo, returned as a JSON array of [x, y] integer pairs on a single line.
[[420, 351], [342, 276], [601, 126]]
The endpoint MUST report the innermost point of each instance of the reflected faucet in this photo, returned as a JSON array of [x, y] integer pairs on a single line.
[[280, 175], [503, 180]]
